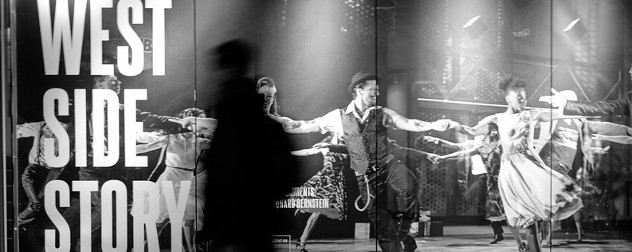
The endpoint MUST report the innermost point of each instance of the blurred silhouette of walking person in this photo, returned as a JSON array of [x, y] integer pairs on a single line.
[[249, 162]]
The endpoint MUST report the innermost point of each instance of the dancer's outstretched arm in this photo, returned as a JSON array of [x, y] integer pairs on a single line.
[[397, 121], [459, 154], [404, 153], [444, 143], [609, 129], [615, 139], [482, 128], [209, 123], [323, 124], [546, 115], [292, 126], [309, 152], [150, 141], [29, 129], [610, 107]]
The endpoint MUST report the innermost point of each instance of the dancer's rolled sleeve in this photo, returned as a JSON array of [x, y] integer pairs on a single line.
[[330, 122]]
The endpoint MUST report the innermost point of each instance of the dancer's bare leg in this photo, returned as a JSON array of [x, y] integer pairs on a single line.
[[189, 234], [546, 231], [532, 238], [516, 234], [309, 226], [578, 223], [159, 227]]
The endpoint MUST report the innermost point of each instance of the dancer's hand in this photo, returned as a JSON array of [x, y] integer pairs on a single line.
[[320, 145], [291, 125], [455, 125], [184, 121], [308, 152], [441, 124], [601, 151], [287, 123], [431, 139], [434, 158], [557, 100]]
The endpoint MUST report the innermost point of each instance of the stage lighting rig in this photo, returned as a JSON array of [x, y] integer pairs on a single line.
[[475, 27]]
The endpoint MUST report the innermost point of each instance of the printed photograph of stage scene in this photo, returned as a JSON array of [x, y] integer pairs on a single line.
[[319, 125]]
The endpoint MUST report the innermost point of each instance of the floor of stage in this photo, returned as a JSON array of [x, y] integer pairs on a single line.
[[476, 238]]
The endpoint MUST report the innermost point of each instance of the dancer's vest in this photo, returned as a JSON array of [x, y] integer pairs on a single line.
[[366, 143]]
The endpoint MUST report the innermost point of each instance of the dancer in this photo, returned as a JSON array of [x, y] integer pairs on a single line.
[[38, 168], [328, 182], [387, 185], [489, 150], [523, 180], [267, 88], [182, 151], [118, 171], [617, 107], [194, 210], [567, 149]]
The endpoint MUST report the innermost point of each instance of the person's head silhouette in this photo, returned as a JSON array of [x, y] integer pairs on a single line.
[[235, 55]]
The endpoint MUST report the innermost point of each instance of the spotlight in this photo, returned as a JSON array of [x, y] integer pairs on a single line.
[[575, 30], [475, 27]]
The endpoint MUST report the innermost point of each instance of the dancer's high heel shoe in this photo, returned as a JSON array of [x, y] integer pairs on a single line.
[[300, 246], [580, 236], [523, 247], [497, 238]]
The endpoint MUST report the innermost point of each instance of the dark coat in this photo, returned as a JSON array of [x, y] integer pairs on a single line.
[[618, 107], [249, 167]]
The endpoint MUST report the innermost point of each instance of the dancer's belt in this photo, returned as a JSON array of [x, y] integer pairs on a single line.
[[372, 169], [181, 168], [380, 163]]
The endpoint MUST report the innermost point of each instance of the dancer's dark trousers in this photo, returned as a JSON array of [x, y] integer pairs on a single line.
[[394, 206]]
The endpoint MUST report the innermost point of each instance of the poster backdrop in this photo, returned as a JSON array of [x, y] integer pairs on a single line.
[[89, 71], [488, 112], [104, 162]]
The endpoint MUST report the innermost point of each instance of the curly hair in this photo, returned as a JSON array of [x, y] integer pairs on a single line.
[[191, 112], [96, 80], [493, 132], [267, 81], [507, 83]]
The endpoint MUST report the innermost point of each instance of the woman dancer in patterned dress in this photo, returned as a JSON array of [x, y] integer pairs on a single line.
[[530, 190], [328, 183]]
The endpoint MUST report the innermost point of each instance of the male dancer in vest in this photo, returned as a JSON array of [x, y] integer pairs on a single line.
[[387, 187], [566, 148]]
